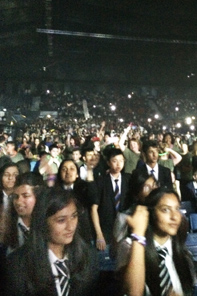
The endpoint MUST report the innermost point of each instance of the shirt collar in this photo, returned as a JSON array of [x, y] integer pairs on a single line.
[[156, 170], [5, 194], [113, 179], [69, 187], [20, 220], [195, 184], [167, 245], [53, 258]]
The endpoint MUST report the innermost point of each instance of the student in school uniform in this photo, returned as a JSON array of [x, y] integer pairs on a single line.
[[106, 201], [153, 259], [22, 202], [68, 178], [8, 174], [55, 261], [150, 153]]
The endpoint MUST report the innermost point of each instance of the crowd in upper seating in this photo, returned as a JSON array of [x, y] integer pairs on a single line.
[[115, 107]]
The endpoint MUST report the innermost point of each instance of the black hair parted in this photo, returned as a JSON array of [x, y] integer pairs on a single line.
[[59, 180], [147, 144], [138, 178], [29, 178], [58, 199], [181, 257], [112, 152], [50, 201], [53, 146]]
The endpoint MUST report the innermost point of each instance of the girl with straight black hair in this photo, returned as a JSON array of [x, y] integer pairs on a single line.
[[54, 238], [68, 178], [156, 225], [21, 204]]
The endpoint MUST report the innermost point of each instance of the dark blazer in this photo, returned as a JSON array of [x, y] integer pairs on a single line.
[[164, 175], [18, 284], [81, 190], [2, 268], [103, 196], [190, 192]]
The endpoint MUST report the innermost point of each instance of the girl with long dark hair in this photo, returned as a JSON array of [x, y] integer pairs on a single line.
[[21, 204], [54, 240], [155, 227], [68, 178]]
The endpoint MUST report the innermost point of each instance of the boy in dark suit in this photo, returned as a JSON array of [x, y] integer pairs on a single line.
[[111, 194], [151, 166], [191, 188]]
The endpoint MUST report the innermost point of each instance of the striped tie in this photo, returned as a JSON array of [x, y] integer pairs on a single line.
[[64, 277], [165, 281], [117, 195], [24, 230]]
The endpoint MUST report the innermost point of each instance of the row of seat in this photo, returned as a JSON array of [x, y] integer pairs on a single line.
[[189, 210]]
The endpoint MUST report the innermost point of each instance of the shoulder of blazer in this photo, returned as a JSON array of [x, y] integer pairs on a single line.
[[126, 176], [1, 196], [190, 185], [164, 169]]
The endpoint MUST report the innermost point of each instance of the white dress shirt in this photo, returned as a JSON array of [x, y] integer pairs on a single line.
[[69, 187], [195, 184], [5, 200], [170, 266], [114, 183], [156, 170], [83, 172], [20, 232]]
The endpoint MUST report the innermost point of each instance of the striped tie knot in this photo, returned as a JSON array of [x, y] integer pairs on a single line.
[[117, 195], [162, 253], [152, 172], [64, 277]]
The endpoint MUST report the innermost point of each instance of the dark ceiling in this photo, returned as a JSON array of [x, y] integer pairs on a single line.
[[152, 38]]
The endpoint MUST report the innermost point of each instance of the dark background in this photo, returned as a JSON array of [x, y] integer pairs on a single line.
[[151, 42]]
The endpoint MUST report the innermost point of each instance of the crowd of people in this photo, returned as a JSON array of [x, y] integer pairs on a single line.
[[116, 107], [84, 211]]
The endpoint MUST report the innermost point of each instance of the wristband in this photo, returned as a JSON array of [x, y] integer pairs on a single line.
[[100, 240], [140, 239]]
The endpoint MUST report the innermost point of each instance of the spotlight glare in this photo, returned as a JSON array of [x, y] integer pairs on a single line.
[[188, 120], [113, 107]]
